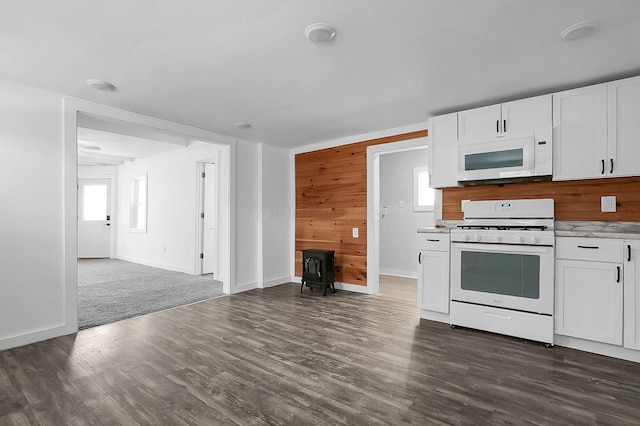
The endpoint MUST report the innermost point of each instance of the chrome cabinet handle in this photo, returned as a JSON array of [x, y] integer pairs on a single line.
[[589, 247], [628, 252], [618, 279], [504, 126], [420, 258], [433, 241], [602, 172], [611, 170]]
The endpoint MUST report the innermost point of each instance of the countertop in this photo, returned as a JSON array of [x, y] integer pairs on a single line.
[[442, 227], [620, 230], [584, 229]]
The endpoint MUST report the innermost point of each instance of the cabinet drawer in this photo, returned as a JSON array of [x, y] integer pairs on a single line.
[[433, 241], [594, 249]]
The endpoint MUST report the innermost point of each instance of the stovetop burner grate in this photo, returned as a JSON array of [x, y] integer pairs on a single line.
[[504, 227]]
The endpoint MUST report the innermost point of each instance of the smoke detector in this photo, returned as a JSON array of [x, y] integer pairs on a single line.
[[242, 125], [102, 85], [579, 30], [319, 32]]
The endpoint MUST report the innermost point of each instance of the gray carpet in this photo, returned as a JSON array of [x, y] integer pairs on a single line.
[[111, 290]]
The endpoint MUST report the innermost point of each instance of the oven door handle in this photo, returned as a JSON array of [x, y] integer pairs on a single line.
[[501, 248]]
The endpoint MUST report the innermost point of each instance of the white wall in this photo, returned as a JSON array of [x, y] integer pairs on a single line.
[[172, 211], [248, 246], [398, 238], [276, 216], [37, 253], [31, 215]]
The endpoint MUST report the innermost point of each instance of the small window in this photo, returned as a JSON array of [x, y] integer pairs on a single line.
[[94, 202], [423, 195], [138, 207]]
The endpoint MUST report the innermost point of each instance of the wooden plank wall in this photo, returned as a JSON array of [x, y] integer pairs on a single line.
[[574, 200], [331, 199]]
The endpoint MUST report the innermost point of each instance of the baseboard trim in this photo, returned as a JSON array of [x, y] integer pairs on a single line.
[[339, 286], [244, 287], [275, 282], [434, 316], [403, 274], [166, 266], [597, 348], [36, 336]]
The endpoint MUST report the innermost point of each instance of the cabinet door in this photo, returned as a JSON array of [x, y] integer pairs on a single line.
[[480, 124], [589, 300], [443, 151], [433, 281], [526, 115], [632, 294], [624, 128], [580, 133]]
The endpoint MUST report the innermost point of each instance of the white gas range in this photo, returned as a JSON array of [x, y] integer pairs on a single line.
[[502, 268]]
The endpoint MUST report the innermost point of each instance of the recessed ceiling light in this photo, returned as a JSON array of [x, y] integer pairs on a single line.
[[105, 86], [579, 30], [320, 32], [242, 125]]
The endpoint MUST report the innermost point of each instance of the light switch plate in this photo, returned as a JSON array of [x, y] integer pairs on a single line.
[[354, 232], [608, 204]]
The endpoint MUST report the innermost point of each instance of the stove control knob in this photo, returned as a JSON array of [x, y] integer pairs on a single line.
[[466, 238], [520, 239], [499, 238], [478, 237], [534, 240]]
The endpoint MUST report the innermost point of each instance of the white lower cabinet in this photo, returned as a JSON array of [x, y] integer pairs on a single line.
[[632, 294], [589, 289], [433, 272]]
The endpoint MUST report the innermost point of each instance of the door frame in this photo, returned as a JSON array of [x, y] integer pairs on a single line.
[[373, 203], [227, 174], [201, 188]]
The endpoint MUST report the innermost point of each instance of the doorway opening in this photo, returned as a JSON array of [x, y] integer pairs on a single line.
[[83, 189], [381, 211]]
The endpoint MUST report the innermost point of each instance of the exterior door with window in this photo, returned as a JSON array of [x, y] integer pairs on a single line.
[[94, 218]]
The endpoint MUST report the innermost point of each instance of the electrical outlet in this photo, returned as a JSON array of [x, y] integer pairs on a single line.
[[401, 204], [354, 232], [608, 204]]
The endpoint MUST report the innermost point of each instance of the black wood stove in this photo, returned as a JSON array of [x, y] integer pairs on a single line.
[[318, 270]]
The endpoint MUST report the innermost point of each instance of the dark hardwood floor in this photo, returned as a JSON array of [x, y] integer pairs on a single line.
[[278, 356]]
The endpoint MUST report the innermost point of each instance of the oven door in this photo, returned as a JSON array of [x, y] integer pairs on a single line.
[[515, 277]]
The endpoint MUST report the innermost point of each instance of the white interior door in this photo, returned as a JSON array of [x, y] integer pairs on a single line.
[[94, 218], [209, 229]]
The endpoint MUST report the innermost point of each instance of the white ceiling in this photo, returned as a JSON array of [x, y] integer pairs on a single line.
[[212, 63]]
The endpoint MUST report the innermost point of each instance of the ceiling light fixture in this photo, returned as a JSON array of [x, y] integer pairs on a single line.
[[579, 30], [102, 85], [320, 32], [242, 125]]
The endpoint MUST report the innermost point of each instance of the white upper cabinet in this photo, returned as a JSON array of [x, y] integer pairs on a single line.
[[580, 133], [443, 151], [624, 127], [511, 118], [597, 131], [479, 123]]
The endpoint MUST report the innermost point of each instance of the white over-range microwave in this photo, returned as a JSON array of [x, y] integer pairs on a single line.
[[509, 159]]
